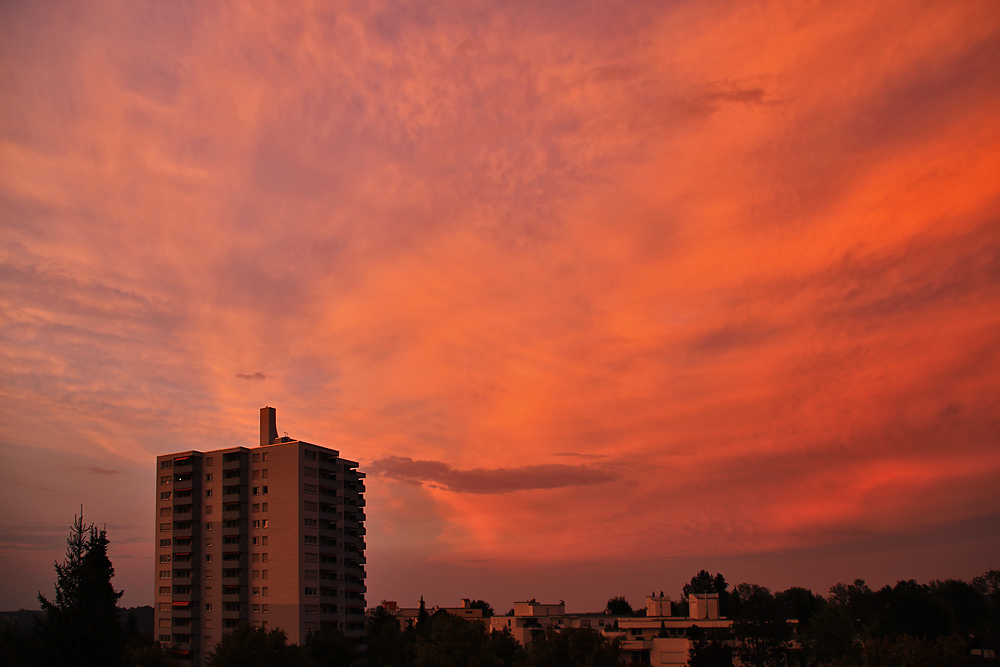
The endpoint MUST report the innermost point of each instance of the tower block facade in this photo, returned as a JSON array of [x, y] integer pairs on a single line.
[[272, 535]]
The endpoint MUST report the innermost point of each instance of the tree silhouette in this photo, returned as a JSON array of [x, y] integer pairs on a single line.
[[385, 639], [619, 606], [247, 646], [450, 641], [572, 647], [484, 605], [81, 625]]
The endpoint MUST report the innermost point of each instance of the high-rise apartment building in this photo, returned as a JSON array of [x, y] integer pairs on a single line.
[[272, 535]]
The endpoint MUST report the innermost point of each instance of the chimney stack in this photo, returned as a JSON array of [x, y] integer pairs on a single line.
[[268, 427]]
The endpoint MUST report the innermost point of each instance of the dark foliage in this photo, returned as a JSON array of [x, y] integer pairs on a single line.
[[832, 638], [906, 651], [710, 653], [704, 582], [573, 647], [484, 605], [913, 609], [762, 643], [798, 603], [506, 648], [619, 606], [247, 646], [385, 639], [450, 641], [750, 601], [329, 647], [81, 626]]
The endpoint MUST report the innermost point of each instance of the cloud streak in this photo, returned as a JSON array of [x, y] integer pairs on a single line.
[[489, 481]]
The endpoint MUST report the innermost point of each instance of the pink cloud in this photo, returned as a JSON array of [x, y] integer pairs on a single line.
[[741, 262]]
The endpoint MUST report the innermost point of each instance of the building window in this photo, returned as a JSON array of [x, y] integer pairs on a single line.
[[263, 592], [256, 458], [312, 539], [165, 495], [208, 509], [164, 606], [256, 558], [208, 541], [310, 455], [208, 558], [263, 490], [208, 624], [164, 590], [208, 493], [255, 590], [263, 523], [164, 527], [255, 523], [208, 477], [263, 457], [263, 574], [264, 473], [164, 574], [208, 525], [263, 540], [208, 574], [255, 608], [311, 592], [256, 491], [166, 511], [311, 488], [208, 590], [310, 523], [263, 556], [255, 574], [164, 558], [164, 622], [263, 507], [255, 541], [165, 480], [311, 472], [311, 506], [164, 638], [166, 464], [256, 474], [208, 640], [165, 543]]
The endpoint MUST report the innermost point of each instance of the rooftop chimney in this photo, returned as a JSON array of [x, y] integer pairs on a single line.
[[268, 428]]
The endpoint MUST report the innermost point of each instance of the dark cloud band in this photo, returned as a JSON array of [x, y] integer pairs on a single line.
[[488, 480]]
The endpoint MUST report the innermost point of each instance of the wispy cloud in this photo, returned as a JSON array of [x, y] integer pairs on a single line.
[[745, 254], [101, 471]]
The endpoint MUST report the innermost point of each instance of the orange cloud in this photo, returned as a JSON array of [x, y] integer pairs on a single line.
[[740, 262]]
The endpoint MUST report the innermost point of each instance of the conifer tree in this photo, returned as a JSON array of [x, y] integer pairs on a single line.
[[81, 626]]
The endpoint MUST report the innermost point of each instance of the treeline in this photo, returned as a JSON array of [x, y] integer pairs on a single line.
[[433, 640], [939, 623]]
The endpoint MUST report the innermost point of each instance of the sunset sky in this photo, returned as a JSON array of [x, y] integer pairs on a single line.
[[598, 294]]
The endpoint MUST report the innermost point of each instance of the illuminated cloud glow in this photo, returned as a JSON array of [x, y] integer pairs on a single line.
[[584, 288]]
